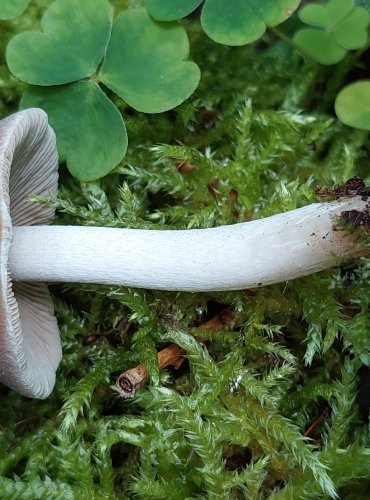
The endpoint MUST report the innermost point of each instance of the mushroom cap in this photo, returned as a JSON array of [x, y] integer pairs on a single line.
[[30, 347]]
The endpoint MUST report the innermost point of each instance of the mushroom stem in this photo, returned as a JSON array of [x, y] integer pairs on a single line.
[[251, 254]]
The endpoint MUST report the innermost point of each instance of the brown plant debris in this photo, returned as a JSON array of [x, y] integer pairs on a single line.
[[133, 379], [357, 218], [219, 321], [353, 187], [322, 418]]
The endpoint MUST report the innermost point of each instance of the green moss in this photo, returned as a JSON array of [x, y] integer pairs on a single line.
[[231, 422]]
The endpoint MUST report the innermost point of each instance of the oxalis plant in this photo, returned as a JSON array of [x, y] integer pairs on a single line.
[[78, 50], [9, 10], [255, 393], [246, 21], [335, 28], [87, 69]]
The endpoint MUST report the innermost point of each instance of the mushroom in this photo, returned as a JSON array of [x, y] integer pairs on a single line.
[[30, 347], [256, 253]]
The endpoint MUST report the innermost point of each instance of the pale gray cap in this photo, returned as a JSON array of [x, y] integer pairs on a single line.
[[30, 347]]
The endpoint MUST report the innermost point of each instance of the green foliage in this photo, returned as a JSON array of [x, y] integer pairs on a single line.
[[171, 78], [337, 26], [352, 105], [80, 45], [84, 119], [356, 337], [243, 22], [341, 458], [170, 11], [254, 140], [12, 8], [69, 55], [322, 312]]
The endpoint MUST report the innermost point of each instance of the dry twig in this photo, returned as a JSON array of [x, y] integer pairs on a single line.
[[131, 380]]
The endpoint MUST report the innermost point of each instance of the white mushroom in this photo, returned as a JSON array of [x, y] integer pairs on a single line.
[[30, 348], [271, 250]]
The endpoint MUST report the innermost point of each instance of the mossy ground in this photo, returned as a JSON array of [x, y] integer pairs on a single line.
[[260, 133]]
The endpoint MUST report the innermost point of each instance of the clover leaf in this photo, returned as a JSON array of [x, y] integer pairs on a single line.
[[337, 26], [137, 78], [237, 23], [80, 46], [171, 10], [70, 46], [352, 105], [91, 134], [12, 8], [366, 4]]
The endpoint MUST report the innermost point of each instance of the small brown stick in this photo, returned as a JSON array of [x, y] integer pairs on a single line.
[[218, 321], [131, 380], [185, 167], [324, 416]]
